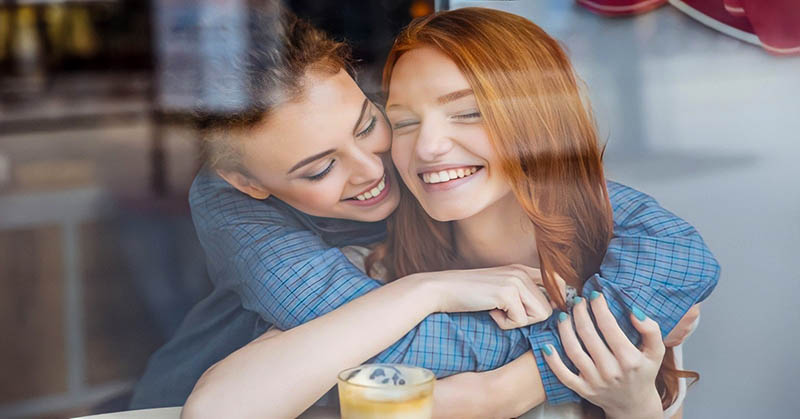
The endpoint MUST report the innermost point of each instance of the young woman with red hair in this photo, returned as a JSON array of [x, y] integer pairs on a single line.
[[501, 168], [491, 94]]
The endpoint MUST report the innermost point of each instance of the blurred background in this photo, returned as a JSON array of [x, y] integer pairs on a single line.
[[99, 260]]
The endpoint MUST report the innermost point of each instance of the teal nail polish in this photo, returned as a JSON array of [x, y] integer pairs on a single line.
[[577, 300], [547, 350], [639, 314], [593, 296], [562, 316]]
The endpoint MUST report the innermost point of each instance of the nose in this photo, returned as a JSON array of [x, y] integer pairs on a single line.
[[432, 142], [367, 166]]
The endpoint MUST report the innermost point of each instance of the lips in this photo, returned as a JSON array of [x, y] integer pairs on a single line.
[[445, 178], [446, 175], [372, 195]]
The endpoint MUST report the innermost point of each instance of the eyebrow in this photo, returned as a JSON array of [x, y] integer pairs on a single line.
[[453, 96], [317, 156], [444, 99], [360, 116], [308, 160]]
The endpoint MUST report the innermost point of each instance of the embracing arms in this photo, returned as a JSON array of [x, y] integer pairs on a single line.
[[284, 373], [289, 276], [617, 376], [655, 261]]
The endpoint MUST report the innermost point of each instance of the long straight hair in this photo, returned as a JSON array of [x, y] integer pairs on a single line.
[[542, 129]]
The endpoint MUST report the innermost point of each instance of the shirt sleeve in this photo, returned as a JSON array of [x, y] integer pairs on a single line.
[[289, 275], [655, 261]]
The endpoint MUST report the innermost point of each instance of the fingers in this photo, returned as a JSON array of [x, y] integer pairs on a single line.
[[504, 321], [536, 303], [562, 285], [573, 349], [602, 356], [533, 274], [652, 345], [516, 312], [567, 377], [616, 339], [499, 317], [510, 302]]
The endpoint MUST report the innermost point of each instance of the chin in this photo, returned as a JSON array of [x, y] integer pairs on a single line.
[[450, 214]]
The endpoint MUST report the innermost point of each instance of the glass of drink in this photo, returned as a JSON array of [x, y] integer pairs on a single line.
[[386, 391]]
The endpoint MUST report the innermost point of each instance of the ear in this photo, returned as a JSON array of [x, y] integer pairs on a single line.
[[245, 184]]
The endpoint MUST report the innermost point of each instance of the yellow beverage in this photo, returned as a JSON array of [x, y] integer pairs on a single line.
[[386, 391]]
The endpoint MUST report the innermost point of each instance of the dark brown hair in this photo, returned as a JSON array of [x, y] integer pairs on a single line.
[[281, 50]]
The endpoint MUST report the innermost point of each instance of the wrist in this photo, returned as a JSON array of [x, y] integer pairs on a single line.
[[648, 407], [425, 292]]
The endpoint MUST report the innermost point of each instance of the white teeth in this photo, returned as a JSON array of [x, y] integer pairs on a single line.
[[374, 191], [447, 175]]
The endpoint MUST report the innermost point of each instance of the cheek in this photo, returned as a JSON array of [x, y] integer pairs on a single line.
[[401, 156], [317, 199], [383, 136], [401, 153], [479, 144]]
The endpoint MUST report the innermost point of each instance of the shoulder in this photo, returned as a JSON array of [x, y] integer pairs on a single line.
[[623, 194], [214, 202], [625, 200]]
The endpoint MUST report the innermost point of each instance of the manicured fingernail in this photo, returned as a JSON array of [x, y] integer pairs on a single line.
[[577, 300], [639, 314], [593, 296], [547, 350], [562, 316]]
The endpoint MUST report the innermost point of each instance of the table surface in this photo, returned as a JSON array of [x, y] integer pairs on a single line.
[[566, 411], [175, 413]]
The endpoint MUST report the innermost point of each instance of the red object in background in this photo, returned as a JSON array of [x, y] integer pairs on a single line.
[[734, 7], [777, 24], [714, 13], [773, 24], [621, 7]]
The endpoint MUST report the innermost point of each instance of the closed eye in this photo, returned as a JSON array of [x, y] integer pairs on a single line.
[[323, 173], [467, 116], [403, 124], [369, 128]]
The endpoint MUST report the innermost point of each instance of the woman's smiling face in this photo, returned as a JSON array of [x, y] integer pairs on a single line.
[[440, 145], [325, 153]]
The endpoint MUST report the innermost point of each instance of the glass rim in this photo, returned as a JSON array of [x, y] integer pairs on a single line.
[[430, 376]]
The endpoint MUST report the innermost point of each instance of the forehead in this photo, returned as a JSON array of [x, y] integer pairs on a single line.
[[320, 119], [424, 72]]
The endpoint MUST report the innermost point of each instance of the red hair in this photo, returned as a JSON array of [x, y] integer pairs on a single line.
[[544, 134]]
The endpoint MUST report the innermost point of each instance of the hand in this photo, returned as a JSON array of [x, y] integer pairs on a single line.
[[684, 327], [510, 292], [621, 380]]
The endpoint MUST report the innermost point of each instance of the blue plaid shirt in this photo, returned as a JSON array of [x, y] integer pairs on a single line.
[[285, 266]]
